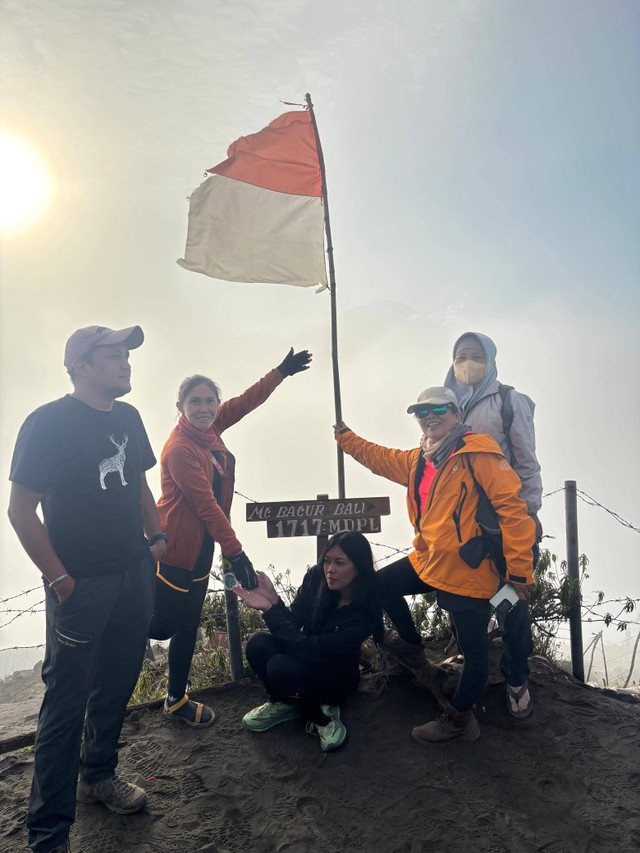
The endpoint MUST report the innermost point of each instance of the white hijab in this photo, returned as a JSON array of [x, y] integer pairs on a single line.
[[468, 394]]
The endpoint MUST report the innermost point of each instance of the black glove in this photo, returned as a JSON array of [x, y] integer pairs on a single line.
[[239, 565], [294, 362]]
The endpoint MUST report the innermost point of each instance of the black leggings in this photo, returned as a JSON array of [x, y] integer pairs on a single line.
[[394, 582], [179, 596], [295, 680], [469, 621], [471, 633]]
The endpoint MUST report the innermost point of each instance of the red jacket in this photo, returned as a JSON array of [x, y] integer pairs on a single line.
[[187, 506]]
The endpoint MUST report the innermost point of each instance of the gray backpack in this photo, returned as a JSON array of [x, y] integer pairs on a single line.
[[506, 412]]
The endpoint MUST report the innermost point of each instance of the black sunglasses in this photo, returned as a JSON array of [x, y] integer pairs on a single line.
[[434, 410]]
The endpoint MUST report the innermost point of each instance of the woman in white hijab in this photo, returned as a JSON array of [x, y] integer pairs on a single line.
[[490, 408]]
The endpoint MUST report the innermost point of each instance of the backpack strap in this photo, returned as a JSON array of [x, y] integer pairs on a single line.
[[481, 492], [507, 407], [489, 523], [506, 411]]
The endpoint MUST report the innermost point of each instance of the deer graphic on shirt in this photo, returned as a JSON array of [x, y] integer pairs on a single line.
[[115, 462]]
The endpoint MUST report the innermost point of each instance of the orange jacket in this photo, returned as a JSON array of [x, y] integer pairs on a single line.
[[187, 506], [448, 519]]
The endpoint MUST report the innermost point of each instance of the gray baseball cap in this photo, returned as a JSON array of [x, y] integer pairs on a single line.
[[83, 340], [436, 396]]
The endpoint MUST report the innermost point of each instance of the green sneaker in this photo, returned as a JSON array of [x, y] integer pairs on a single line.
[[268, 715], [333, 734]]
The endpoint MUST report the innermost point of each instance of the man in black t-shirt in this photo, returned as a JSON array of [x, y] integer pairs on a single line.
[[83, 458]]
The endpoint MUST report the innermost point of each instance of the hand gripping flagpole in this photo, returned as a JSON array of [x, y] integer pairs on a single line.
[[332, 290]]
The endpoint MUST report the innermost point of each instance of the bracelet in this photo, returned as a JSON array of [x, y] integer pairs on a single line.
[[57, 580], [157, 538]]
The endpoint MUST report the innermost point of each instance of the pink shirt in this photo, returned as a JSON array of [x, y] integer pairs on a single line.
[[425, 484]]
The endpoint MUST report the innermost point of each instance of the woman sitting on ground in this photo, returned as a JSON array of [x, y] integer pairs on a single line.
[[308, 661], [442, 500], [197, 480]]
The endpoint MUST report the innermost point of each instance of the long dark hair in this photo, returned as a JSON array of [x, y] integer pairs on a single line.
[[364, 588]]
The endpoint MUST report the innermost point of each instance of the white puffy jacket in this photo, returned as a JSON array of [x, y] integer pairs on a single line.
[[520, 449]]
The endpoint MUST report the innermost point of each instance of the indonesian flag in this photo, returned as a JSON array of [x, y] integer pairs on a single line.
[[259, 215]]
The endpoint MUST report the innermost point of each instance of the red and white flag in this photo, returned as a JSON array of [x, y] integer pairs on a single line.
[[259, 216]]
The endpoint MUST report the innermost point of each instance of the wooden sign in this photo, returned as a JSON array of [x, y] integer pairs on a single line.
[[334, 508], [322, 526], [320, 517]]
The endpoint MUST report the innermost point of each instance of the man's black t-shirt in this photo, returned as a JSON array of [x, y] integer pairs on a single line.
[[87, 464]]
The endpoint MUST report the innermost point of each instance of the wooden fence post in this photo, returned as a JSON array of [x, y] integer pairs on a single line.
[[573, 570], [233, 634], [321, 541]]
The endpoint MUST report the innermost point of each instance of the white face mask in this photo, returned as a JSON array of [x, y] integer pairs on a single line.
[[470, 372]]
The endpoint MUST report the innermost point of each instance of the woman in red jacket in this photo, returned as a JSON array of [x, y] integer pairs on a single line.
[[197, 480]]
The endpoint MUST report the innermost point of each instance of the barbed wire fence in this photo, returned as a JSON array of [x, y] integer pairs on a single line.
[[18, 658], [591, 610]]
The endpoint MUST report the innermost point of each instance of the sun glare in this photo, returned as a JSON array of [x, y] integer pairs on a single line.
[[26, 184]]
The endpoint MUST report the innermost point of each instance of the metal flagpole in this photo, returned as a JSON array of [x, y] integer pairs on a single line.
[[332, 289]]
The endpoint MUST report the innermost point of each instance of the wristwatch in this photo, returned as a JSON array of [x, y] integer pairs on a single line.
[[157, 538]]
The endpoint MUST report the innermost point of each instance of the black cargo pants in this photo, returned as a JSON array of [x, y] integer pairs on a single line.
[[96, 641]]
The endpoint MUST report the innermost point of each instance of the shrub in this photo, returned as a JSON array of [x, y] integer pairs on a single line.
[[553, 596]]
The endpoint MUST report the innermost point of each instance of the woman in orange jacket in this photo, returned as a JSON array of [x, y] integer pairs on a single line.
[[442, 500], [197, 481]]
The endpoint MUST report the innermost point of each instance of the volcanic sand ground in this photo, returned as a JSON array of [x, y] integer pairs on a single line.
[[564, 781]]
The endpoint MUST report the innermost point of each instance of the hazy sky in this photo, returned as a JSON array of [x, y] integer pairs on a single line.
[[483, 174]]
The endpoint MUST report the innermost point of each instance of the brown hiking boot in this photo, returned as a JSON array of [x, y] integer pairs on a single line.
[[450, 725], [119, 796], [410, 655]]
